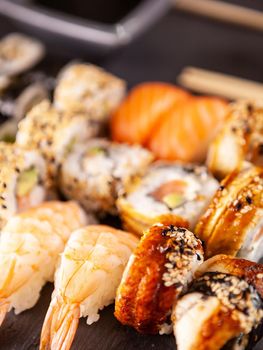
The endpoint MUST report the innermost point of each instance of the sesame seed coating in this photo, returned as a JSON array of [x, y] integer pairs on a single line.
[[235, 294]]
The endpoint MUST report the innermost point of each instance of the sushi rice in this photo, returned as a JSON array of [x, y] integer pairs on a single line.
[[86, 281], [88, 89], [30, 245], [96, 172], [53, 134], [167, 190], [22, 180]]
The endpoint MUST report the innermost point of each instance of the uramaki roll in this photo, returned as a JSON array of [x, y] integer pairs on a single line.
[[53, 134], [166, 191], [233, 222], [96, 172], [160, 268], [85, 88], [22, 180], [217, 308], [221, 299]]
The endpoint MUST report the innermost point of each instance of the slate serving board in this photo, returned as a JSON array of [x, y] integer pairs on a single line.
[[176, 41]]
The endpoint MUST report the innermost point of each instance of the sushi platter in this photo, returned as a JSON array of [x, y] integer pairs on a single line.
[[130, 218]]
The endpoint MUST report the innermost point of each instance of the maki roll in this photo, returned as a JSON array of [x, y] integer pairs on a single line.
[[86, 281], [233, 221], [53, 134], [88, 89], [167, 190], [19, 53], [160, 269], [227, 304], [241, 139], [22, 180], [16, 101], [30, 245], [96, 172]]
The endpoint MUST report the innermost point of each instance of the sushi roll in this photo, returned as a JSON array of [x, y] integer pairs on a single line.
[[16, 101], [224, 305], [159, 270], [233, 221], [86, 281], [96, 172], [22, 180], [167, 190], [30, 245], [19, 53], [250, 271], [53, 134], [226, 299], [241, 139], [88, 89]]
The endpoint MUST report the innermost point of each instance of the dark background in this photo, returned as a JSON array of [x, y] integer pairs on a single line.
[[178, 40]]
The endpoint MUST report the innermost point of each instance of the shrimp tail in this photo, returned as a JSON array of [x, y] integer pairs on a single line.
[[4, 307], [60, 326]]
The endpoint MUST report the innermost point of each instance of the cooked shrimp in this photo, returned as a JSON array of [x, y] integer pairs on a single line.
[[86, 280], [29, 248]]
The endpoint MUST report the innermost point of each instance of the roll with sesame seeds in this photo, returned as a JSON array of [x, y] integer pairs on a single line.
[[96, 172], [22, 177], [53, 134], [160, 269], [167, 190], [227, 318], [227, 308], [241, 139], [233, 222], [88, 89]]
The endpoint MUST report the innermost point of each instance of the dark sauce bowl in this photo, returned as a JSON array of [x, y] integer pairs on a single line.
[[80, 26]]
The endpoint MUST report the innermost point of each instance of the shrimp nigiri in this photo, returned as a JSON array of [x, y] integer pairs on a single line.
[[30, 245], [187, 129], [90, 271], [139, 114]]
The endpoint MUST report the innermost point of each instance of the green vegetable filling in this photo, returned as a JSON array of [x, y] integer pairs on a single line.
[[173, 200], [26, 181]]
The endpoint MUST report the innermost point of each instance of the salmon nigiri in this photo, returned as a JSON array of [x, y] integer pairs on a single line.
[[139, 114], [187, 129]]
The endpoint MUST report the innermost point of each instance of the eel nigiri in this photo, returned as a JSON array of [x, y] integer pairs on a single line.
[[53, 134], [233, 222], [159, 270], [226, 301], [168, 191], [86, 281], [139, 116], [241, 139], [187, 129], [88, 89], [22, 180], [96, 172], [30, 245]]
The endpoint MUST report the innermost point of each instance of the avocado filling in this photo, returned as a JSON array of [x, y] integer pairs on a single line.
[[173, 200], [94, 151], [171, 193], [26, 181], [70, 146]]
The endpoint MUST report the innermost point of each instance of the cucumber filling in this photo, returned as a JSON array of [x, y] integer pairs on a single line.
[[26, 181]]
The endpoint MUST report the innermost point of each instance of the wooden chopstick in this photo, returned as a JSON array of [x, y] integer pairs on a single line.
[[213, 83], [222, 11]]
